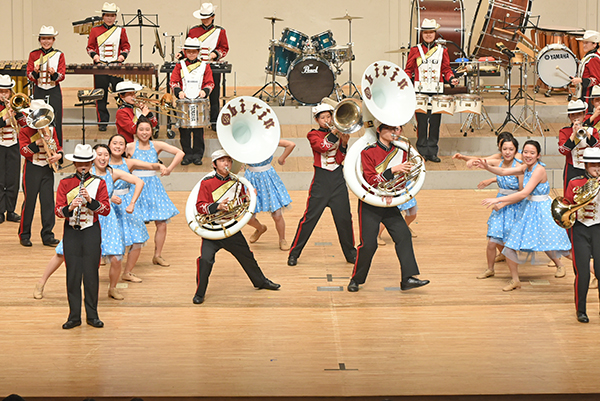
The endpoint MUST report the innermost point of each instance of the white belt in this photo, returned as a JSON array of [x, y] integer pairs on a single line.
[[144, 173], [122, 191], [504, 191], [259, 169], [538, 198]]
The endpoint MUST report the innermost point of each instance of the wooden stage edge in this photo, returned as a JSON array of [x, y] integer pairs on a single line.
[[458, 338]]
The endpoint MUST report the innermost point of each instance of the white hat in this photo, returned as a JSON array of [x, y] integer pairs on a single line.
[[576, 106], [321, 108], [591, 155], [192, 44], [207, 10], [429, 25], [127, 86], [595, 91], [47, 31], [6, 82], [109, 8], [82, 153], [217, 154], [591, 36], [37, 104]]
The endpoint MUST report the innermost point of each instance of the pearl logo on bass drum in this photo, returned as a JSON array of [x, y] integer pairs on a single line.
[[310, 69]]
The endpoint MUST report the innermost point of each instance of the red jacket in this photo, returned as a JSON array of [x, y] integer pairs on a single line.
[[20, 117], [33, 76], [372, 158], [590, 77], [321, 142], [566, 145], [127, 121], [176, 82], [208, 202], [222, 47], [100, 205], [412, 70], [92, 46], [28, 147]]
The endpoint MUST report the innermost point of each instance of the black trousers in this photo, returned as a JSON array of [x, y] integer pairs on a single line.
[[370, 217], [37, 180], [328, 189], [215, 107], [54, 96], [82, 258], [104, 82], [10, 169], [586, 243], [235, 245], [428, 133], [185, 138]]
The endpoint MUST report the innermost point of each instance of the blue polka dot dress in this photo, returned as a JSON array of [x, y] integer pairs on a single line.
[[59, 249], [408, 205], [154, 204], [535, 230], [132, 224], [501, 221], [113, 243], [271, 193]]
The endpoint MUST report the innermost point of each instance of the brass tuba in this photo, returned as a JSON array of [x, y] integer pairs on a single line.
[[346, 115], [564, 214]]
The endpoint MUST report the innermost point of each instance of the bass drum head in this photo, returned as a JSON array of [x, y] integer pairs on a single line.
[[310, 80], [553, 56]]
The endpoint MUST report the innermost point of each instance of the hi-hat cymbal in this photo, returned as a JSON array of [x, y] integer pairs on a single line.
[[400, 50], [348, 17], [274, 18]]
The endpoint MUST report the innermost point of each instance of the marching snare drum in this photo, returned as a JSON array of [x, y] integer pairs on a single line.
[[422, 102], [322, 41], [310, 79], [197, 112], [553, 56], [283, 59], [442, 104], [467, 104], [293, 40], [450, 15]]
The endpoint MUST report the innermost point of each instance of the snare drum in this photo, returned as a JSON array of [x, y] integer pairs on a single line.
[[311, 78], [422, 102], [338, 54], [442, 104], [293, 40], [552, 56], [467, 104], [283, 59], [197, 112], [322, 41]]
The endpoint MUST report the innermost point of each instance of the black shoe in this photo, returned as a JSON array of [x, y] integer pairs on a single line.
[[198, 299], [582, 317], [292, 260], [269, 285], [434, 159], [12, 216], [97, 323], [213, 126], [352, 259], [353, 287], [52, 242], [411, 283], [71, 324], [26, 242], [102, 128], [186, 160], [198, 160]]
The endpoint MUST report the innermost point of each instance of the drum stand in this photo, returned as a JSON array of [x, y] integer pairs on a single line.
[[536, 121], [276, 88], [352, 89], [510, 118], [474, 121]]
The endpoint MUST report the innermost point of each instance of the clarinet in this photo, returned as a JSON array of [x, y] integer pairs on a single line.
[[77, 225]]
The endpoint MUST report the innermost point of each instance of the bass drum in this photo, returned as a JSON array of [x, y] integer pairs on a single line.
[[552, 57], [449, 14], [310, 79]]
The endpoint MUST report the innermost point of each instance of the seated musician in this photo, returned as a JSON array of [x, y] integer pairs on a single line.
[[107, 43], [10, 158], [213, 39], [376, 169], [592, 118], [130, 110], [214, 195], [38, 178], [428, 64], [192, 79], [45, 69], [588, 73]]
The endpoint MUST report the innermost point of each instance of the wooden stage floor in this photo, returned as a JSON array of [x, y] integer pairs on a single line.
[[457, 336]]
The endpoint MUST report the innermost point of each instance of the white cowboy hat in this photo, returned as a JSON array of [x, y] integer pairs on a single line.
[[316, 110], [576, 106], [591, 36], [217, 154], [595, 91], [591, 155], [6, 82], [82, 153], [191, 44], [37, 104], [429, 25], [127, 86], [207, 10], [109, 8], [47, 31]]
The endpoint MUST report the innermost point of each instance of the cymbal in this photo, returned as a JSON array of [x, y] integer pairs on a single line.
[[400, 50], [348, 17], [274, 18]]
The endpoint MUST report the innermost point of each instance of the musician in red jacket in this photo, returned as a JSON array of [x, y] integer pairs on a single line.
[[38, 178], [588, 73], [130, 110], [376, 160], [45, 69], [80, 198], [107, 43], [328, 187], [214, 195], [592, 118], [192, 79], [428, 65]]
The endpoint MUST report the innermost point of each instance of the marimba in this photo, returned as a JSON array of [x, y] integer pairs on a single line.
[[136, 72]]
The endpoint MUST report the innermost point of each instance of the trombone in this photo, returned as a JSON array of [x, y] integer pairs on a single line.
[[159, 106]]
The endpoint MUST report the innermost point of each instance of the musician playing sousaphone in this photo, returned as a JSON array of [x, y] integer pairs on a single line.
[[107, 43], [428, 65], [588, 74], [214, 196], [130, 110], [192, 79]]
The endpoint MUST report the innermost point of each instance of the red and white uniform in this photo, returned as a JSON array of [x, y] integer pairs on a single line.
[[197, 76], [108, 42], [589, 71], [32, 152], [327, 152], [127, 117], [68, 190], [429, 68], [8, 136], [375, 160], [213, 38], [46, 59], [574, 152], [214, 190]]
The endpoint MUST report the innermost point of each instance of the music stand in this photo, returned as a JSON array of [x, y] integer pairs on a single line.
[[87, 98], [274, 93], [140, 20], [352, 89]]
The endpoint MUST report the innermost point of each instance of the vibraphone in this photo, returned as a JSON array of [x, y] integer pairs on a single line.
[[18, 70], [140, 73]]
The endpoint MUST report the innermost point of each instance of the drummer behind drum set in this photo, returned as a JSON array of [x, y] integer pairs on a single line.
[[192, 79], [428, 64]]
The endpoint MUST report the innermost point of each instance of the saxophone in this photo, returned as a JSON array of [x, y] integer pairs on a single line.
[[563, 213]]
